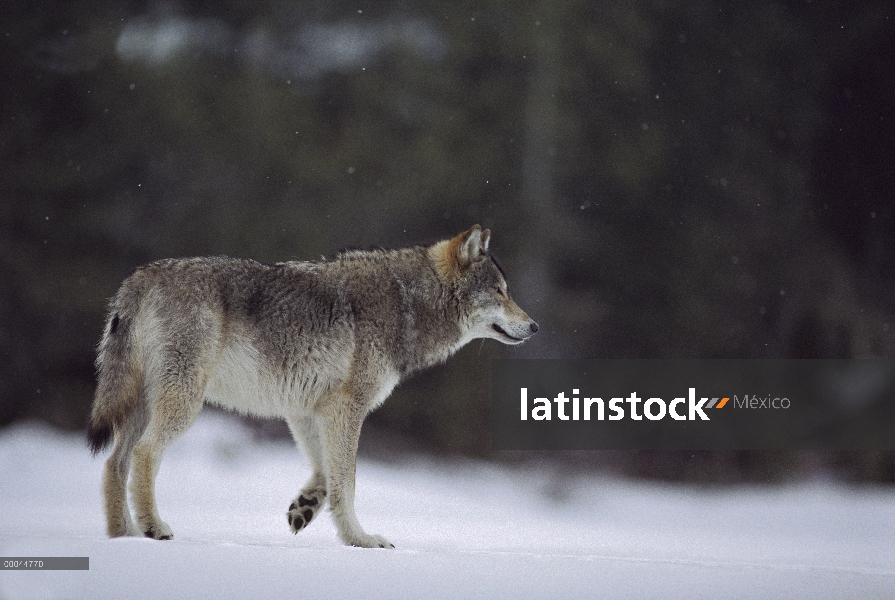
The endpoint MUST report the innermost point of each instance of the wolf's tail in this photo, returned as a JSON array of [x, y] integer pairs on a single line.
[[120, 380], [99, 434]]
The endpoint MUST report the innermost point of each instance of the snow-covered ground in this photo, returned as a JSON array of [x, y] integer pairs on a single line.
[[461, 531]]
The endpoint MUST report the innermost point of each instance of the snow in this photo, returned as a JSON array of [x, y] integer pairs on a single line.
[[462, 530]]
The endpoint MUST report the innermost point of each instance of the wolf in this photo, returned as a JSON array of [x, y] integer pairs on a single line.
[[318, 344]]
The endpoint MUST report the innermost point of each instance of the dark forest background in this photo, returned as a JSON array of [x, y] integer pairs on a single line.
[[687, 179]]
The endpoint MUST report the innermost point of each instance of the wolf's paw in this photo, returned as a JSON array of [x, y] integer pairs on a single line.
[[304, 508], [158, 531], [367, 540]]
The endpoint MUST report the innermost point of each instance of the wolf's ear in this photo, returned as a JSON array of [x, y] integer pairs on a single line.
[[472, 245]]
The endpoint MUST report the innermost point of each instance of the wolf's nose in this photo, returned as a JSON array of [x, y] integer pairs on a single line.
[[534, 327]]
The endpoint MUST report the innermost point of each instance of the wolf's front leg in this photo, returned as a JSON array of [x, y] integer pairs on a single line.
[[310, 501], [341, 431]]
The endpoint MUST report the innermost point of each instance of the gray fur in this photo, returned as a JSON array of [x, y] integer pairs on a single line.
[[319, 344]]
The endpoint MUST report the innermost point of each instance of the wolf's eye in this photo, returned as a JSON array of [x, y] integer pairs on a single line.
[[499, 291]]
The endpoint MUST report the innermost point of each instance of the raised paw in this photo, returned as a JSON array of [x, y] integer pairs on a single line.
[[304, 508]]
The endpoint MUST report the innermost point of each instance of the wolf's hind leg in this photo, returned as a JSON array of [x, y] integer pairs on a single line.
[[173, 414], [311, 499], [118, 515]]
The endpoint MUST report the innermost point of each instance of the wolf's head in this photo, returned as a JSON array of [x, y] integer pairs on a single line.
[[480, 286]]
